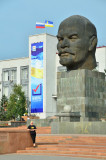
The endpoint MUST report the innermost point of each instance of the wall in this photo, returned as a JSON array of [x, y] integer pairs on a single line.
[[84, 91], [41, 122], [12, 123], [51, 80], [78, 128], [12, 140]]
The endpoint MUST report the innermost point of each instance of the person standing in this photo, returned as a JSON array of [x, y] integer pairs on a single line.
[[32, 128]]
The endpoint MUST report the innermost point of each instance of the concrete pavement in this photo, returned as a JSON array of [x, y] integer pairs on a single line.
[[38, 157]]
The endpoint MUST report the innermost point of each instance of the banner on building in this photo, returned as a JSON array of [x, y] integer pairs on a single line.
[[37, 77]]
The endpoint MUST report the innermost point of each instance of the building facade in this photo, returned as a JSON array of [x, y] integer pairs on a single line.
[[14, 71], [18, 71], [49, 72], [101, 58]]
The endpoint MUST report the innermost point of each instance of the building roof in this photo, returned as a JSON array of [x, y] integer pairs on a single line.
[[14, 59], [101, 47]]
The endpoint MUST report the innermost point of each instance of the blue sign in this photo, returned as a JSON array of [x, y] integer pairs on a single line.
[[37, 77]]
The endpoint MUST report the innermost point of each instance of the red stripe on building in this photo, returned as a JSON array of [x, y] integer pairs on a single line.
[[101, 47]]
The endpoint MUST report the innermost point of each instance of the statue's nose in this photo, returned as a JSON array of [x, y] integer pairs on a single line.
[[65, 43]]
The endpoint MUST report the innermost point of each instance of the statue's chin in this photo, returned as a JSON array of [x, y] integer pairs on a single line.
[[66, 62]]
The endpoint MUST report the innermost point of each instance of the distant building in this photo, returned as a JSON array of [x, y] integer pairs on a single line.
[[19, 71], [14, 71], [101, 58]]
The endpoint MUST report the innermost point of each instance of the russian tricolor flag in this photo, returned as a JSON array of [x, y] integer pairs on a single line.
[[40, 25]]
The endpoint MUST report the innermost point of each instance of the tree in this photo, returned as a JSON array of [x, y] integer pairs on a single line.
[[3, 108], [17, 103]]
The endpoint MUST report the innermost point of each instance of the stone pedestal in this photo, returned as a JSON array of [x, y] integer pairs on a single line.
[[84, 91], [68, 117]]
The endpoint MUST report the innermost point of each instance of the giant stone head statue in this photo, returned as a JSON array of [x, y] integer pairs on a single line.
[[77, 40]]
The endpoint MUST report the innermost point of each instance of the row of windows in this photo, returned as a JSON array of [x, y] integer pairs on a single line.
[[11, 74], [7, 90]]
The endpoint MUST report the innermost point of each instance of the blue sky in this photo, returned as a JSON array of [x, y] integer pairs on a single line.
[[18, 19]]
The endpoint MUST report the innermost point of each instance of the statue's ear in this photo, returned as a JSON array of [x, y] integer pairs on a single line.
[[92, 43]]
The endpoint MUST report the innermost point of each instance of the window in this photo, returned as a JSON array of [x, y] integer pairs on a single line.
[[9, 79], [13, 75], [6, 76], [5, 91], [24, 73], [9, 74], [24, 78], [25, 90]]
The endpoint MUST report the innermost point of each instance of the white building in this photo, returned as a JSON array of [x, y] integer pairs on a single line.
[[49, 72], [101, 58], [19, 71], [14, 71]]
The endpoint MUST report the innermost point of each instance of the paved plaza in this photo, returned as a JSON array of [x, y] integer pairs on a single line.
[[36, 157]]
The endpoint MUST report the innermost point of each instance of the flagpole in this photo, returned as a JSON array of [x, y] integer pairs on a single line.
[[45, 30]]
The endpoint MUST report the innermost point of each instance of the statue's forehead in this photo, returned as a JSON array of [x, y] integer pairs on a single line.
[[69, 29]]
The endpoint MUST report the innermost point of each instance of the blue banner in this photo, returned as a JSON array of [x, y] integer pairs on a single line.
[[37, 77]]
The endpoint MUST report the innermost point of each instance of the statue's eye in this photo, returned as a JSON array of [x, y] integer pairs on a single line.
[[73, 37], [60, 38]]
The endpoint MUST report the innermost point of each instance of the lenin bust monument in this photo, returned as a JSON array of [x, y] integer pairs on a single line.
[[81, 88], [77, 40]]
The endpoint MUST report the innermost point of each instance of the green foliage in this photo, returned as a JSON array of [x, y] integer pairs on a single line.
[[4, 104], [17, 103], [4, 101]]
